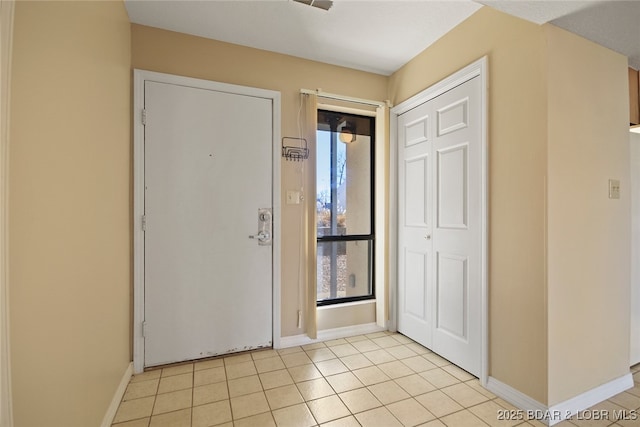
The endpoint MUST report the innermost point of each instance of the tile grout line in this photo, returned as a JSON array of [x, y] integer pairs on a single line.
[[193, 392], [226, 379], [155, 398]]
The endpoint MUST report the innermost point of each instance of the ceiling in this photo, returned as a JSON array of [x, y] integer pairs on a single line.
[[395, 30]]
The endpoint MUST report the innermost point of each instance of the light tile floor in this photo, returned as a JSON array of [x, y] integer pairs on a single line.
[[382, 379]]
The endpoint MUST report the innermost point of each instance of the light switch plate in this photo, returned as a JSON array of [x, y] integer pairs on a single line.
[[293, 197], [614, 188]]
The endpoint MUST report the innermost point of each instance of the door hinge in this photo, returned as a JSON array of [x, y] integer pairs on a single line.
[[144, 223], [144, 329], [144, 117]]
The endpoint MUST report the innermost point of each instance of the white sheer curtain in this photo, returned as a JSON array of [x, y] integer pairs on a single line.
[[309, 126]]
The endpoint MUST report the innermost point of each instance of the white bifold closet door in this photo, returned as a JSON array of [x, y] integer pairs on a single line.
[[439, 217]]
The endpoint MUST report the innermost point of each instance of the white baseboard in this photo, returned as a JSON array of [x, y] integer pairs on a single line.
[[513, 396], [330, 334], [583, 401], [557, 413], [117, 397]]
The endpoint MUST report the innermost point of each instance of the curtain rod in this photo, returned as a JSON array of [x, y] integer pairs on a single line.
[[322, 94]]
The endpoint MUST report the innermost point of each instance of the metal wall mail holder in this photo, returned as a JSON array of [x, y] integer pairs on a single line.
[[297, 152]]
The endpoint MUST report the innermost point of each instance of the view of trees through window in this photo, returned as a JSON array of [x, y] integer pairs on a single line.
[[344, 201]]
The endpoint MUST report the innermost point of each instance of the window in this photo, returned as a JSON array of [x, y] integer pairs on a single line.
[[344, 213]]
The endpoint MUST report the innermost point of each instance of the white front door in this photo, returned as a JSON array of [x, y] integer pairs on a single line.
[[207, 178], [440, 230]]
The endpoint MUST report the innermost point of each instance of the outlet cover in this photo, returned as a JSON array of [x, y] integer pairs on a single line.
[[614, 188]]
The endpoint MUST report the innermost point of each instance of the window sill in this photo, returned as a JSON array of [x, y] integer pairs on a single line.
[[346, 304]]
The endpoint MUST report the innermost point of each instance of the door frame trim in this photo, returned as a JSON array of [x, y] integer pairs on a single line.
[[7, 12], [477, 68], [139, 77]]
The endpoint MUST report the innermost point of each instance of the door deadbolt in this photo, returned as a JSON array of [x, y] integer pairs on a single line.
[[264, 227], [264, 216]]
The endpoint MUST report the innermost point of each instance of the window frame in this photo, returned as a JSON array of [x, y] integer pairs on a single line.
[[371, 237]]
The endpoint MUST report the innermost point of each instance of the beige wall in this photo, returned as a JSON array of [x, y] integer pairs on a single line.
[[517, 167], [70, 269], [589, 234], [340, 316], [181, 54]]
